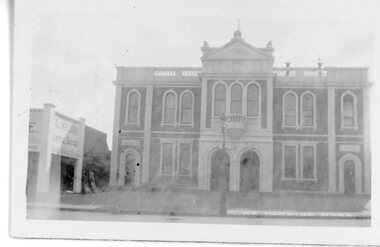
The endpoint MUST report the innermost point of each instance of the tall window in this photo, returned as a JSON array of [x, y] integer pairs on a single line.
[[290, 110], [184, 159], [133, 107], [253, 100], [290, 162], [167, 159], [220, 100], [308, 162], [169, 109], [307, 110], [187, 108], [349, 111], [236, 99], [299, 161]]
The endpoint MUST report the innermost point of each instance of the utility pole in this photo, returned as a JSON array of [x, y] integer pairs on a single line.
[[223, 206]]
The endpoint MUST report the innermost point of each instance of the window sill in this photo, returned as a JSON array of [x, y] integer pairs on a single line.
[[129, 123], [349, 128], [300, 179], [254, 117], [314, 127], [289, 126]]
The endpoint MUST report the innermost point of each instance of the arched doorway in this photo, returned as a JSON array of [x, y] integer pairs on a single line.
[[349, 177], [130, 170], [249, 171], [220, 170]]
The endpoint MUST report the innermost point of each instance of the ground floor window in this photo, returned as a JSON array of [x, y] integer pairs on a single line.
[[184, 159], [167, 160], [176, 157], [299, 161]]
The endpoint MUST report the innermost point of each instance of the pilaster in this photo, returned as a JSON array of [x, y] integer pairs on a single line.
[[331, 140], [44, 161], [79, 162], [367, 142], [115, 136], [147, 134], [203, 103]]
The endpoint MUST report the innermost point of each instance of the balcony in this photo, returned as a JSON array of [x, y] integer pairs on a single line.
[[235, 125]]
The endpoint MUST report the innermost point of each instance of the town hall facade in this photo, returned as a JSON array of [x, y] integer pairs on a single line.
[[238, 123]]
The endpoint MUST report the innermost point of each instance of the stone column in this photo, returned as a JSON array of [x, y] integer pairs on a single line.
[[367, 142], [115, 136], [44, 161], [79, 163], [331, 140], [147, 134]]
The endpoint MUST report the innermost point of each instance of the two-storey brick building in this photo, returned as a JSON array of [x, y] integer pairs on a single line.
[[286, 129]]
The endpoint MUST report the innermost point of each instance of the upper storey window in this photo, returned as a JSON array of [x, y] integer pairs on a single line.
[[133, 107], [308, 110], [349, 117], [236, 99], [253, 100], [187, 103], [290, 109], [220, 100], [169, 111]]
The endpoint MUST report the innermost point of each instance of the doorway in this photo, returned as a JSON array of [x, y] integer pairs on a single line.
[[220, 170]]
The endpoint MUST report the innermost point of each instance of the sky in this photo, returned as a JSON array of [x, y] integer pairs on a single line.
[[76, 44]]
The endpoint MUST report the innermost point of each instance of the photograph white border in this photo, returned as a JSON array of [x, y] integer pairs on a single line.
[[20, 227]]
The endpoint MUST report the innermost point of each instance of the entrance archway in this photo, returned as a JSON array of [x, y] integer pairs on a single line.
[[129, 172], [220, 170], [350, 175], [249, 171], [129, 168]]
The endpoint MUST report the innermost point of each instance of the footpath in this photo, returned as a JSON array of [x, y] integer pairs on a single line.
[[205, 203]]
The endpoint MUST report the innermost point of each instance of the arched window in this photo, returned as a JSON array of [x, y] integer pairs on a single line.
[[348, 111], [133, 107], [290, 109], [220, 100], [253, 102], [308, 110], [236, 99], [170, 108], [187, 108]]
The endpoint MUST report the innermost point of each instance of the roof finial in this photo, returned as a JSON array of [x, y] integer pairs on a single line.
[[237, 33], [319, 61]]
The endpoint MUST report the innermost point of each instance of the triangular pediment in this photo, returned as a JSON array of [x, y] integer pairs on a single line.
[[237, 50]]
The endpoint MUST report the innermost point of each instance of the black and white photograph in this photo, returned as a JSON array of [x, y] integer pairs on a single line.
[[211, 121]]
